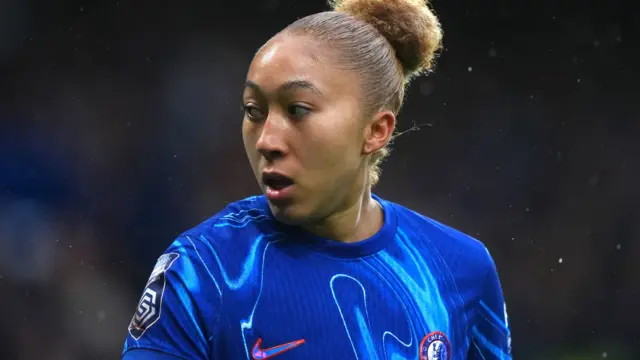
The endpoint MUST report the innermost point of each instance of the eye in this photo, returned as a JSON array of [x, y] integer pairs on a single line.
[[252, 112], [298, 111]]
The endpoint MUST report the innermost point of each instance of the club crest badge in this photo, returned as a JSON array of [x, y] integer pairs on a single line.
[[435, 346], [149, 306]]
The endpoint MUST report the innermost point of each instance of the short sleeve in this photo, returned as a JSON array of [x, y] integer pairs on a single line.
[[491, 337], [179, 307]]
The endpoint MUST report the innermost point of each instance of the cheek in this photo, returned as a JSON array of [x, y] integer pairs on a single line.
[[332, 144], [248, 132], [249, 140]]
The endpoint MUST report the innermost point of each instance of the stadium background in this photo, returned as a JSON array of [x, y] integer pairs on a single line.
[[120, 128]]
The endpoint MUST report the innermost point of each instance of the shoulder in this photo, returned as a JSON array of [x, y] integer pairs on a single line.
[[453, 244], [222, 243], [234, 225], [193, 273]]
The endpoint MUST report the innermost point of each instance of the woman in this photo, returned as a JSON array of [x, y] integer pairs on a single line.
[[319, 267]]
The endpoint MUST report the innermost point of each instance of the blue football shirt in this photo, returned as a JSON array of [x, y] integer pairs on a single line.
[[243, 286]]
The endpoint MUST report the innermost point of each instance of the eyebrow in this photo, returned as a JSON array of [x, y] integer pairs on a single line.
[[287, 86]]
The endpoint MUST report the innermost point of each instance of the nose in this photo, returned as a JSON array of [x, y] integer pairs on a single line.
[[271, 143]]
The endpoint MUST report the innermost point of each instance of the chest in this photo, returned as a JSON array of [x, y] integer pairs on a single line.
[[328, 309]]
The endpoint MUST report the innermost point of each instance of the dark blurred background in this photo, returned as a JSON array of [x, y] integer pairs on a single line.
[[120, 128]]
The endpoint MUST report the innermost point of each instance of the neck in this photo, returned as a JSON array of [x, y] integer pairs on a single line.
[[360, 219]]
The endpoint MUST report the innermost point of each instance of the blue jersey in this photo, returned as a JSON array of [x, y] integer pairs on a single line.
[[242, 285]]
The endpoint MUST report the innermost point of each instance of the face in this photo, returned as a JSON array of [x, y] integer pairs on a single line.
[[304, 131]]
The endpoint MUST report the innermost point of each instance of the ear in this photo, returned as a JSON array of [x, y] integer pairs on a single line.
[[378, 132]]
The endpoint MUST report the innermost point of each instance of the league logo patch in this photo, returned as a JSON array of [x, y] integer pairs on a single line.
[[435, 346], [149, 306]]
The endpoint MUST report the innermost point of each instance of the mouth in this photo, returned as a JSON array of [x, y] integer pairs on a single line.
[[278, 186]]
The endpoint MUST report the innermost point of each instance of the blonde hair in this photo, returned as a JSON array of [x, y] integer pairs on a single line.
[[388, 42]]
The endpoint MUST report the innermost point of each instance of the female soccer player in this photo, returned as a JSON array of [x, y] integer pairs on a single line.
[[319, 267]]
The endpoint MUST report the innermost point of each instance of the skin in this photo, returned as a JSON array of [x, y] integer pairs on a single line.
[[305, 119]]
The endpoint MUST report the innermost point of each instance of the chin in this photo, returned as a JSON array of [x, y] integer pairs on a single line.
[[289, 214]]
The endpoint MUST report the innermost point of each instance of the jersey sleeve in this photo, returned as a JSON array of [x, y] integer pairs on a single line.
[[179, 308], [491, 335], [142, 354]]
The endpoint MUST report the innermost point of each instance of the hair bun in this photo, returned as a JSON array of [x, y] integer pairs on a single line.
[[410, 26]]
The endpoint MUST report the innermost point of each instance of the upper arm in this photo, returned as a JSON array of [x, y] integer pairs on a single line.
[[491, 335], [177, 312]]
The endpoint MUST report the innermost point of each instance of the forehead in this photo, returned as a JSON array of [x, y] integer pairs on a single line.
[[295, 57]]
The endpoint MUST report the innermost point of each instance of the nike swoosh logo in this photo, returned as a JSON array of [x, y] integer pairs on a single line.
[[262, 354]]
